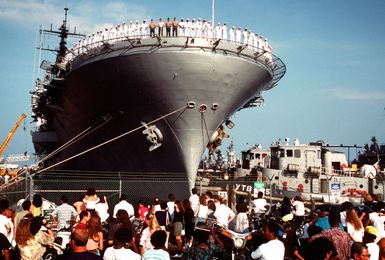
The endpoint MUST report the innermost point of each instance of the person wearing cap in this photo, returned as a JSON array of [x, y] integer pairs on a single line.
[[232, 34], [224, 31], [160, 27], [152, 28], [143, 29], [370, 236], [238, 36], [260, 44], [198, 26], [193, 28], [137, 29], [244, 35], [124, 29], [182, 27], [188, 27], [204, 28], [210, 30], [131, 30], [175, 26], [168, 27], [218, 31]]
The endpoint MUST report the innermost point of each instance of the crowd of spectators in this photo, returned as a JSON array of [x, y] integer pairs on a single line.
[[171, 228]]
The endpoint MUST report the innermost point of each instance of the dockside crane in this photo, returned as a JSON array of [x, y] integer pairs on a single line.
[[11, 133]]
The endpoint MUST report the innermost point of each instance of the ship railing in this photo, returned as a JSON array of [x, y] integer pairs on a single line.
[[318, 171], [259, 54]]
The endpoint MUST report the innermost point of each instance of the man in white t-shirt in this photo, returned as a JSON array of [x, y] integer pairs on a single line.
[[224, 214], [125, 205], [259, 204], [194, 199], [274, 249]]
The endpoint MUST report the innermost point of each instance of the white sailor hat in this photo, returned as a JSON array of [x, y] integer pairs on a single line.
[[130, 21], [239, 27], [181, 19], [137, 21], [123, 22], [204, 20], [187, 19], [199, 19], [219, 22], [265, 39], [233, 27]]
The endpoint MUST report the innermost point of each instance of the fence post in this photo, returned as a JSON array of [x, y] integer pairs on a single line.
[[120, 186], [31, 185]]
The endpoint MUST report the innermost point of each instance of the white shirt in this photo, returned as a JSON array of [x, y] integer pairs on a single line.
[[272, 250], [357, 235], [374, 250], [120, 254], [102, 210], [223, 213], [299, 208], [125, 206], [194, 201], [259, 205]]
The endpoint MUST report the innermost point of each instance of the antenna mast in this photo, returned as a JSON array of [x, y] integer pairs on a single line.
[[212, 13]]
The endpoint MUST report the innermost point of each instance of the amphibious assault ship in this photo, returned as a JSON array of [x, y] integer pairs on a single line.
[[147, 106]]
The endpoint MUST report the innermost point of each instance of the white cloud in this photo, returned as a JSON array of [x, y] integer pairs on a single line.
[[87, 16], [356, 94]]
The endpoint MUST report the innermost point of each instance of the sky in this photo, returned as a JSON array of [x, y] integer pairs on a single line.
[[334, 50]]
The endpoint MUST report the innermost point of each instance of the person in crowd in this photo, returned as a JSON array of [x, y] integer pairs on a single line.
[[354, 226], [298, 209], [122, 220], [359, 251], [381, 245], [345, 206], [163, 216], [323, 220], [125, 205], [26, 205], [102, 209], [188, 217], [224, 214], [143, 29], [259, 204], [152, 28], [95, 241], [78, 242], [182, 26], [369, 238], [242, 220], [171, 205], [64, 213], [160, 27], [175, 26], [194, 200], [79, 205], [142, 210], [336, 235], [5, 246], [321, 249], [84, 217], [91, 199], [37, 202], [285, 207], [120, 250], [311, 223], [211, 209], [202, 212], [6, 227], [156, 205], [145, 239], [6, 211], [158, 240], [30, 240], [274, 249], [303, 249], [206, 245], [168, 25], [177, 224]]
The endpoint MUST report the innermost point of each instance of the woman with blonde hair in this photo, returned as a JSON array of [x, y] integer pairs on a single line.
[[145, 239], [95, 231], [354, 226], [30, 240], [202, 212]]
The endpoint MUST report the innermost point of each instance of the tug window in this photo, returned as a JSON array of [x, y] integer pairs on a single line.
[[297, 153], [289, 153]]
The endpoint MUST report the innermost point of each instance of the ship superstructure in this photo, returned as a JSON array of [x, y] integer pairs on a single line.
[[145, 105]]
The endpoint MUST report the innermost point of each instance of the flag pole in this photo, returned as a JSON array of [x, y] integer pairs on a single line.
[[212, 13]]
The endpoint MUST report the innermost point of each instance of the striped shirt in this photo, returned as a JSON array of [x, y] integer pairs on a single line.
[[156, 254], [340, 240]]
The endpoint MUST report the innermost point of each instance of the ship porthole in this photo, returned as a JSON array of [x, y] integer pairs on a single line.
[[306, 181], [361, 186], [376, 186], [276, 177]]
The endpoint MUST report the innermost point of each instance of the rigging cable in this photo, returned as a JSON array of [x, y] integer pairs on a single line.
[[109, 141]]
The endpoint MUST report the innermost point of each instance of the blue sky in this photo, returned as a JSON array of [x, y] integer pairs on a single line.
[[334, 50]]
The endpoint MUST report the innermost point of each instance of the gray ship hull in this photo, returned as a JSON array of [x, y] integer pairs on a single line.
[[144, 81]]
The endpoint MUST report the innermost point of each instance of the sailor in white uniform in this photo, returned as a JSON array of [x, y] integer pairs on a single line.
[[238, 36], [244, 35], [131, 29], [232, 34], [124, 29], [224, 31], [204, 28], [182, 26], [218, 31], [198, 25], [188, 27], [143, 29], [137, 29]]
